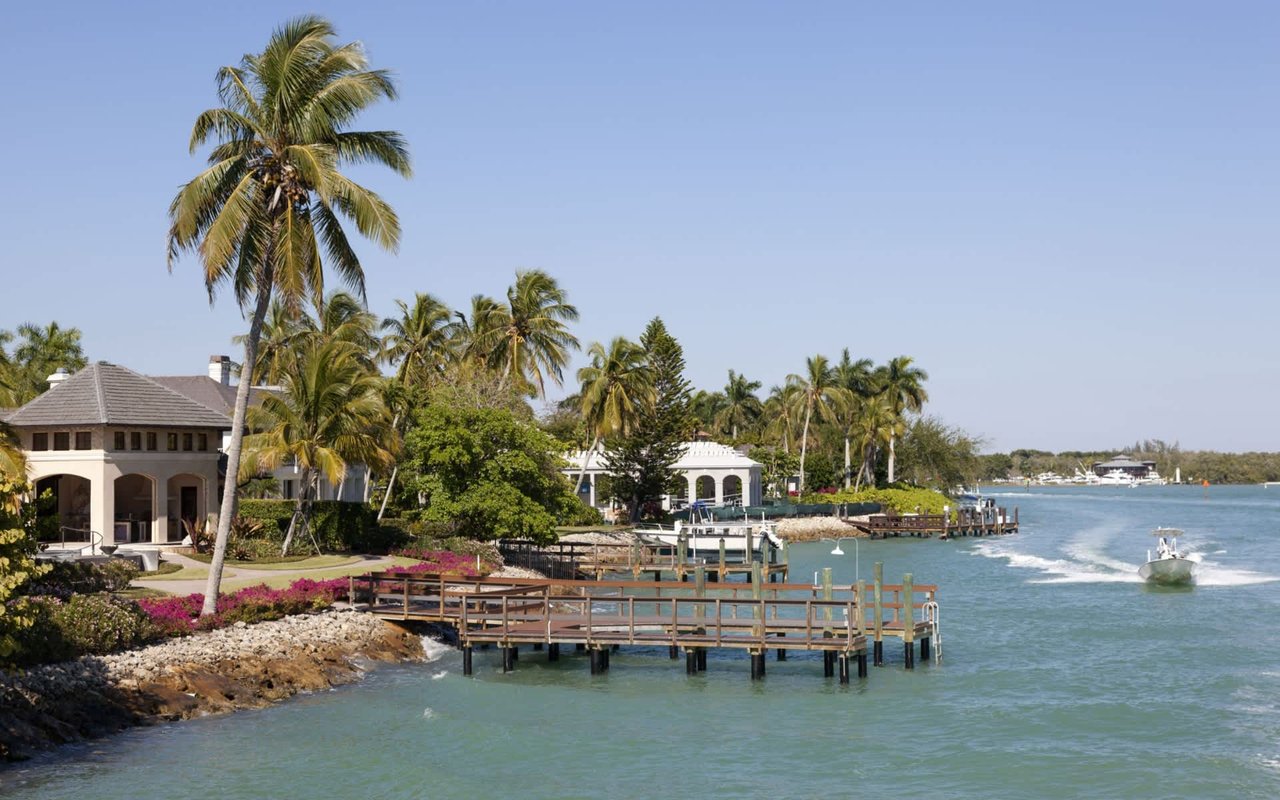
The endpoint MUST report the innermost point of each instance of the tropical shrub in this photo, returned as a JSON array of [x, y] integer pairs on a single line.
[[42, 641], [17, 567], [179, 616], [98, 624], [444, 562], [66, 578], [577, 512], [347, 527], [900, 499]]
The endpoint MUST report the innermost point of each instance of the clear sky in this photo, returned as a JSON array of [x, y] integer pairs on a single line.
[[1068, 213]]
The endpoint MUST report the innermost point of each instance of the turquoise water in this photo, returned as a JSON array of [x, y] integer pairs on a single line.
[[1063, 676]]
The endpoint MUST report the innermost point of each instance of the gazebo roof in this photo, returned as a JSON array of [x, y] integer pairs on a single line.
[[696, 456], [108, 394], [1120, 462]]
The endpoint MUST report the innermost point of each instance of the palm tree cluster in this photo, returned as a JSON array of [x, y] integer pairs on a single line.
[[852, 405], [37, 352]]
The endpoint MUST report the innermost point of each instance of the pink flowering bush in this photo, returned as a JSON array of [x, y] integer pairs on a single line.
[[178, 616], [440, 562]]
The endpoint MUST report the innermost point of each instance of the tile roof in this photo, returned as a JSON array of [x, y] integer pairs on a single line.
[[107, 394], [206, 391]]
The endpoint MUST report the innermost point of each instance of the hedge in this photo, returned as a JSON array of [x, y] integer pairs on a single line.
[[351, 527]]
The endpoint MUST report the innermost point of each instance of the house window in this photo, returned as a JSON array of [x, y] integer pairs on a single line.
[[202, 442], [286, 489], [84, 440], [119, 440], [135, 440], [171, 441], [151, 440], [61, 441], [186, 442], [39, 441]]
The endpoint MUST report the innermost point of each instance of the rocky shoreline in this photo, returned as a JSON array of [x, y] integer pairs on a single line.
[[246, 666]]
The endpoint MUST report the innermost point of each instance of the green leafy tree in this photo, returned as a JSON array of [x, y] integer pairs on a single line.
[[328, 414], [268, 212], [640, 464], [486, 473], [781, 422], [17, 563], [938, 455], [616, 386]]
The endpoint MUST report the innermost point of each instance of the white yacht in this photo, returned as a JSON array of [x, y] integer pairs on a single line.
[[1117, 477], [1169, 567]]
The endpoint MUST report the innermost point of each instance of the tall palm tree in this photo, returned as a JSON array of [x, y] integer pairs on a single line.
[[269, 209], [856, 380], [780, 415], [39, 351], [418, 342], [475, 331], [903, 385], [616, 385], [707, 407], [527, 336], [741, 406], [874, 426], [328, 414], [816, 390]]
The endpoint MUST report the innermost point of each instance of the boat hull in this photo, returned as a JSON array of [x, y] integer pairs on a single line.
[[1168, 571]]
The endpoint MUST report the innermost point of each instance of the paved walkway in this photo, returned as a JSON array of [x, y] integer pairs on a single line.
[[233, 572]]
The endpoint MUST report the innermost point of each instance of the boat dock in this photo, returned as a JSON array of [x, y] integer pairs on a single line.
[[572, 560], [599, 617], [964, 522]]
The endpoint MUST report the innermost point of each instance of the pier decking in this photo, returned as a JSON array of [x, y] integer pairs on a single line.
[[996, 522], [601, 616], [571, 560]]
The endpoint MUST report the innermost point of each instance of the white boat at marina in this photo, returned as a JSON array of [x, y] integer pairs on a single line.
[[1117, 477], [703, 536], [1169, 567]]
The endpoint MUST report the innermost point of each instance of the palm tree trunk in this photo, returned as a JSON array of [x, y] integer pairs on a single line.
[[846, 462], [227, 510], [299, 509], [395, 424], [891, 438], [583, 472], [804, 443]]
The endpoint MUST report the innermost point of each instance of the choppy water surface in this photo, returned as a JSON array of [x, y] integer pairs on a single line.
[[1063, 677]]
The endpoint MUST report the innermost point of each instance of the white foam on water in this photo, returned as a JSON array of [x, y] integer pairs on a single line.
[[428, 713], [437, 676], [433, 649]]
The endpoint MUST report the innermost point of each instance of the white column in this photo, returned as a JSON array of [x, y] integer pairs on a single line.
[[693, 488], [102, 503], [160, 509], [719, 484], [591, 481]]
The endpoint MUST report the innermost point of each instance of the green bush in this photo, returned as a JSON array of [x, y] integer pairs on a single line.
[[99, 624], [66, 578], [577, 512], [349, 527], [43, 641], [899, 498]]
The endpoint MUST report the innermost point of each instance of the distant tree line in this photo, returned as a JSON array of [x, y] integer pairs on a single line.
[[1195, 465]]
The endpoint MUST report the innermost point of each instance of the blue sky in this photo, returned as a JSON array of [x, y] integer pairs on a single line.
[[1069, 214]]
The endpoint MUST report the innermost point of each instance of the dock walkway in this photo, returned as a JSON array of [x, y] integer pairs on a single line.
[[601, 616]]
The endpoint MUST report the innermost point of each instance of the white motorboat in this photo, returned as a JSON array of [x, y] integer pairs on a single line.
[[1169, 567], [703, 535], [1117, 477]]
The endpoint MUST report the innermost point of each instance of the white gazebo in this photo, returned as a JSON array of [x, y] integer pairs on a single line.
[[715, 473]]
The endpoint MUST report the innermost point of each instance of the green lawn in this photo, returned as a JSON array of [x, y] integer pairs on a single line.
[[281, 581], [314, 562]]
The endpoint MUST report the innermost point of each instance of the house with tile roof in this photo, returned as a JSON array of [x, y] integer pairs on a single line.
[[124, 456], [715, 474]]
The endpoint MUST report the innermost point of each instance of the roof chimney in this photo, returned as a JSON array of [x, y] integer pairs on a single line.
[[220, 369], [59, 375]]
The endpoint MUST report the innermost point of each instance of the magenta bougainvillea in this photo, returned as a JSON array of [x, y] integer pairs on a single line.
[[177, 616], [441, 562]]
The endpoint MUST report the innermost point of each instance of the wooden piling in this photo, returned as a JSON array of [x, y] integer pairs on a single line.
[[844, 667], [723, 567], [909, 619], [877, 622], [862, 665], [702, 659], [466, 659], [553, 651], [828, 663], [690, 661]]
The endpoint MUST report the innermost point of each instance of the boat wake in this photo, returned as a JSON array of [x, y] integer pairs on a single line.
[[1082, 562]]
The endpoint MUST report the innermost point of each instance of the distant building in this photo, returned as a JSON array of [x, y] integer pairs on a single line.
[[1125, 464], [715, 473]]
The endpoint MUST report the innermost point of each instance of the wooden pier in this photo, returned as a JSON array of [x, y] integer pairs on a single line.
[[996, 522], [572, 560], [694, 616]]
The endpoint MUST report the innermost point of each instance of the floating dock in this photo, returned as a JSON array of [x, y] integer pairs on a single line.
[[599, 617]]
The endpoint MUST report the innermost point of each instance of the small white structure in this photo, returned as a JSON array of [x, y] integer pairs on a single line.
[[715, 473]]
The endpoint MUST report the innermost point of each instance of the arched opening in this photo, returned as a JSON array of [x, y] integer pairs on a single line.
[[135, 509], [63, 501], [733, 491], [706, 488], [188, 504]]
